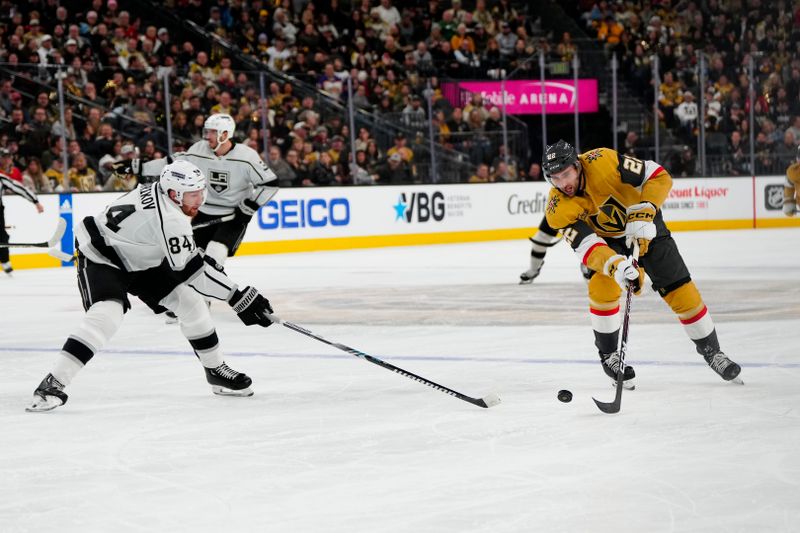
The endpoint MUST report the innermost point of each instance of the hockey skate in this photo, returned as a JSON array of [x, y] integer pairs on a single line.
[[611, 364], [48, 395], [225, 381], [8, 269], [529, 275], [170, 318], [724, 367]]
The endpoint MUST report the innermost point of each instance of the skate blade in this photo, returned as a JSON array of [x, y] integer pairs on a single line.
[[222, 391], [737, 380], [42, 406]]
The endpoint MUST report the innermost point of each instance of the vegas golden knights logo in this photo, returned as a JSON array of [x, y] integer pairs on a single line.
[[610, 218]]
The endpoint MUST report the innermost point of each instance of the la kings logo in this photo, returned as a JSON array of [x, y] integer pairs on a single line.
[[218, 180]]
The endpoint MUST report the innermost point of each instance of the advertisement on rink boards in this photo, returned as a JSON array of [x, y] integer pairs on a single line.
[[308, 219]]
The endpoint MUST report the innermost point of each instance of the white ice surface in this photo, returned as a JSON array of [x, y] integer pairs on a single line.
[[332, 443]]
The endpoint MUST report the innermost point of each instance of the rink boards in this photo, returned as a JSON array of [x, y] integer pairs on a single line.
[[336, 218]]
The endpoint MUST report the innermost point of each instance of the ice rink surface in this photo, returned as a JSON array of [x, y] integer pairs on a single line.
[[332, 443]]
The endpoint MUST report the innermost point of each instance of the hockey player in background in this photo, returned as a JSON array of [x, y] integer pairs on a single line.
[[142, 244], [604, 203], [12, 185], [544, 238], [791, 188], [238, 184]]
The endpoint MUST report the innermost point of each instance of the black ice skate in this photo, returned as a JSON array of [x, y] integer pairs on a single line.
[[8, 270], [226, 381], [727, 369], [170, 318], [48, 395], [611, 364]]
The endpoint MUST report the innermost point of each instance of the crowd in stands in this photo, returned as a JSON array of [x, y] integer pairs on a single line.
[[727, 33], [113, 59]]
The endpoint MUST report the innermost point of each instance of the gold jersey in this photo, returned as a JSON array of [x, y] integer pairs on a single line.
[[791, 187], [609, 183]]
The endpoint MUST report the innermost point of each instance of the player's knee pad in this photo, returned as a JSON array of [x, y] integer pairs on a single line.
[[217, 251], [686, 302], [604, 292], [192, 310], [102, 321]]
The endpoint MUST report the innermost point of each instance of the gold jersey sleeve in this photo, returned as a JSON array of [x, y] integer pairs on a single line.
[[791, 188]]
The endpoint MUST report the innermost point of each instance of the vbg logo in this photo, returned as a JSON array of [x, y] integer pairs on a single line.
[[420, 207], [313, 213]]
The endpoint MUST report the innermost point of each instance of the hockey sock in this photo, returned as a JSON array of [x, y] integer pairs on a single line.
[[99, 324], [196, 324]]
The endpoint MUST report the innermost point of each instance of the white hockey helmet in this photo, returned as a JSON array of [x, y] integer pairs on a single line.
[[221, 123], [182, 177]]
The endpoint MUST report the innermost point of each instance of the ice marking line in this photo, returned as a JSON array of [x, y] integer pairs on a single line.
[[463, 358]]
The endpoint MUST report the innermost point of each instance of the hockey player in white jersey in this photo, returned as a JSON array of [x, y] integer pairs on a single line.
[[238, 184], [142, 244]]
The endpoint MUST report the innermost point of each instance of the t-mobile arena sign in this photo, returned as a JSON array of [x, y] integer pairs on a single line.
[[524, 97]]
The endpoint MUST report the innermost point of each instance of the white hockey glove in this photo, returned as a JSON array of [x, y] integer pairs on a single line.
[[639, 226], [789, 207], [625, 271]]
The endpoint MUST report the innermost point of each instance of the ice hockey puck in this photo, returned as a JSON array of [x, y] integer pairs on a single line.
[[565, 396]]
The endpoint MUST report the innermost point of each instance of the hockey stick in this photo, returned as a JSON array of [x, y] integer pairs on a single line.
[[487, 401], [214, 222], [614, 407], [52, 243]]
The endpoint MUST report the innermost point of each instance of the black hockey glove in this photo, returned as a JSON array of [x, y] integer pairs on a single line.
[[130, 166], [251, 307], [245, 211]]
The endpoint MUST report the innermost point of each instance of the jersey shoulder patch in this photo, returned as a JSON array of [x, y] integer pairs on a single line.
[[631, 170], [561, 211]]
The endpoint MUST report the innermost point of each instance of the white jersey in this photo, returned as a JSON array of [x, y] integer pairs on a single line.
[[143, 229], [238, 178]]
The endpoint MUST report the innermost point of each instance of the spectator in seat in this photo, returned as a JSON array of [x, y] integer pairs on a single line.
[[394, 171]]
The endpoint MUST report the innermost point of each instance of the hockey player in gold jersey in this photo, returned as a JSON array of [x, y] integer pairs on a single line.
[[604, 202], [791, 188]]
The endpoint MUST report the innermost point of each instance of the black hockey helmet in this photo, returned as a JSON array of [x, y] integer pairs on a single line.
[[557, 157]]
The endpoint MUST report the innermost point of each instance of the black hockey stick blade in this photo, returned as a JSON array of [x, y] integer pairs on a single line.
[[487, 401], [612, 407], [214, 222]]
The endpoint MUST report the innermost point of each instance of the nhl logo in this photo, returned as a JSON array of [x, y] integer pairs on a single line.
[[773, 197], [218, 180]]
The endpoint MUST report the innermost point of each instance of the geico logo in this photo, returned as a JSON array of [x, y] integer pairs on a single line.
[[525, 206], [313, 213], [425, 206]]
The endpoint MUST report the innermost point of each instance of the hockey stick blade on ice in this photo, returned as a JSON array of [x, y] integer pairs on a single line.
[[487, 401], [616, 405], [214, 222]]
